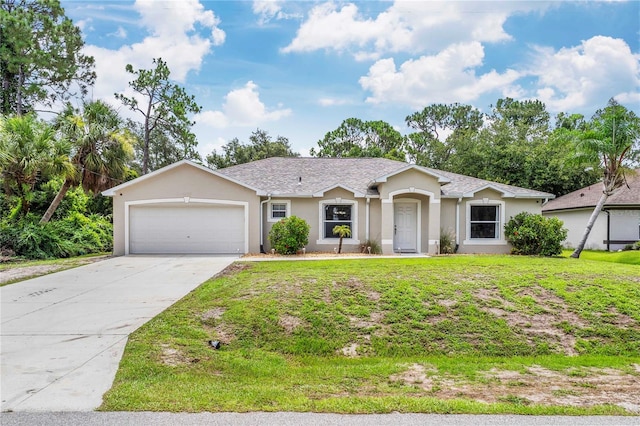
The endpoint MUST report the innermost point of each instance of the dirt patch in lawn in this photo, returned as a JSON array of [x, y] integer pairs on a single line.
[[173, 357], [215, 313], [24, 272], [289, 323], [546, 322], [535, 385], [232, 269]]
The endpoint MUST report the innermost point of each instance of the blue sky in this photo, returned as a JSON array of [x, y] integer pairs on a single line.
[[299, 68]]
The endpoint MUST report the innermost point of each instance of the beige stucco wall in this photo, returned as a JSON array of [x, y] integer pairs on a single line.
[[510, 208], [624, 226], [179, 182], [448, 216], [310, 209]]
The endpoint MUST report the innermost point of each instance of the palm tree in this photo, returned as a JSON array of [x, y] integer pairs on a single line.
[[612, 138], [342, 231], [28, 151], [101, 150]]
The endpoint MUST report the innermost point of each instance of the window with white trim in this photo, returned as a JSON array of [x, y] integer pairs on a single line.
[[334, 215], [278, 210], [485, 222]]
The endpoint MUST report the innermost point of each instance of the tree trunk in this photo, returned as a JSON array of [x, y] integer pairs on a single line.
[[340, 246], [590, 223], [56, 201], [145, 152], [19, 91], [147, 136]]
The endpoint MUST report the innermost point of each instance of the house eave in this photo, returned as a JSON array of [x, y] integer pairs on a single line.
[[382, 179], [590, 208], [112, 191], [356, 194]]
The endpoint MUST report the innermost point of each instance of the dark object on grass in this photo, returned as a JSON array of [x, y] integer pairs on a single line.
[[214, 344]]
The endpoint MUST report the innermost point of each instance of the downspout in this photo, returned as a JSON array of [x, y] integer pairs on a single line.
[[262, 203], [457, 225], [366, 230], [608, 229]]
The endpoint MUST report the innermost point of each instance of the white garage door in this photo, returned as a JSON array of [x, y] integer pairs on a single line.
[[186, 228]]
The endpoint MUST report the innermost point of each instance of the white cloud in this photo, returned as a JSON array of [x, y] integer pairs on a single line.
[[591, 73], [85, 25], [242, 108], [119, 33], [170, 20], [268, 10], [446, 77], [172, 35], [206, 148], [331, 102], [406, 26]]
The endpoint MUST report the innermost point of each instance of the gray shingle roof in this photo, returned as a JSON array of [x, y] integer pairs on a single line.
[[303, 176], [589, 196], [461, 185]]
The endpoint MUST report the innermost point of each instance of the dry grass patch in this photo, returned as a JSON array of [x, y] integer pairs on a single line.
[[583, 387]]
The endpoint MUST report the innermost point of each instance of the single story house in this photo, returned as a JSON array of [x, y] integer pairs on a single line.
[[617, 225], [189, 208]]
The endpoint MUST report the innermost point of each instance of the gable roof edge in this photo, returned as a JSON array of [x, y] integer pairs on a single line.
[[384, 178], [505, 193], [355, 193], [112, 191]]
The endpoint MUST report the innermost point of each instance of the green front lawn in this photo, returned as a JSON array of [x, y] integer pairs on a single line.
[[458, 334], [629, 257]]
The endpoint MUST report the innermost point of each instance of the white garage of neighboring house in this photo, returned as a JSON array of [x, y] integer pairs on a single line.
[[184, 208], [617, 225]]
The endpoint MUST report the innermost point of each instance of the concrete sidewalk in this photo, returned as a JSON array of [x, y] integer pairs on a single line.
[[297, 419], [63, 335]]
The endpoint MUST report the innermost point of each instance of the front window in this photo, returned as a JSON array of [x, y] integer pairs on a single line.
[[336, 214], [278, 211], [485, 222]]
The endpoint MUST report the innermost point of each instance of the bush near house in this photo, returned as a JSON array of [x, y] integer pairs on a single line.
[[73, 235], [534, 234], [289, 235], [81, 225]]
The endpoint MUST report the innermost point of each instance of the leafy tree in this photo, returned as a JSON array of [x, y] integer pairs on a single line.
[[341, 231], [30, 152], [164, 150], [515, 130], [445, 134], [611, 138], [357, 138], [165, 107], [260, 146], [289, 235], [101, 149], [553, 166], [40, 55]]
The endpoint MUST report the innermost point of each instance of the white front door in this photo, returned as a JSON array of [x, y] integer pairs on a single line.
[[405, 228]]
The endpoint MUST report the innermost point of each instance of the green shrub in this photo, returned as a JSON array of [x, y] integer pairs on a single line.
[[289, 235], [447, 242], [72, 236], [534, 234], [373, 245]]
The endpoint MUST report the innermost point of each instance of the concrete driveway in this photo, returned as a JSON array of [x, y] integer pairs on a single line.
[[63, 335]]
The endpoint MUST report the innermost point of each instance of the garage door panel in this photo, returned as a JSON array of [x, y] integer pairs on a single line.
[[196, 229]]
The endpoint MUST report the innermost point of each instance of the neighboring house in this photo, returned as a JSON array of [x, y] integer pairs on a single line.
[[188, 208], [617, 225]]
